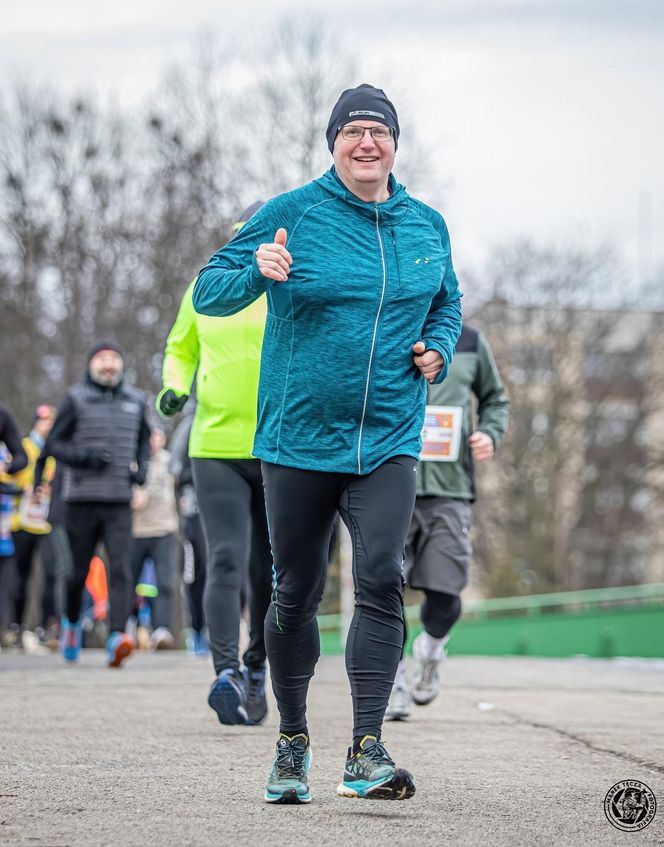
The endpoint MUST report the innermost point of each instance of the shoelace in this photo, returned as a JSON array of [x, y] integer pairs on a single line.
[[290, 760], [429, 671], [377, 753]]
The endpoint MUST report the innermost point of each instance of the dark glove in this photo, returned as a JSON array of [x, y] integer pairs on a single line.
[[138, 477], [97, 459], [170, 403]]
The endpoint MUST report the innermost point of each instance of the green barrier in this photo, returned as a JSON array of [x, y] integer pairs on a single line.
[[624, 621]]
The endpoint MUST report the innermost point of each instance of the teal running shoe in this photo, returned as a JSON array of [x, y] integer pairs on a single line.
[[370, 773], [288, 781], [71, 636]]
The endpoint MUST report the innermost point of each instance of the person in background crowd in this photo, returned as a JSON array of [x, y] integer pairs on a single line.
[[225, 356], [30, 528], [155, 522], [101, 435], [438, 550], [13, 458], [193, 539]]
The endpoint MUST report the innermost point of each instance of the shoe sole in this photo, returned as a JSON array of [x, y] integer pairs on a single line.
[[290, 797], [225, 700], [398, 716], [399, 787], [121, 652], [423, 701]]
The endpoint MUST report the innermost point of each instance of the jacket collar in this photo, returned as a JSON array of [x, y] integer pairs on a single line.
[[390, 211]]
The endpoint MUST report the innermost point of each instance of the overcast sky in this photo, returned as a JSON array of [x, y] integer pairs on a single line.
[[549, 116]]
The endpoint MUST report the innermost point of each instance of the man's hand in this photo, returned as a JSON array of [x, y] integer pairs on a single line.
[[97, 459], [481, 446], [139, 500], [430, 362], [274, 260], [171, 403]]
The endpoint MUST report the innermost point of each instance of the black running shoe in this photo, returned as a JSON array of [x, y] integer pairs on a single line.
[[288, 781], [228, 698], [370, 773], [256, 704]]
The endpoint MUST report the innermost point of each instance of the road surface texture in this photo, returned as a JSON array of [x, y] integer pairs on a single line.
[[515, 751]]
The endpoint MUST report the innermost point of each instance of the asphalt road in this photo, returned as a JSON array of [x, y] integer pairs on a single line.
[[514, 752]]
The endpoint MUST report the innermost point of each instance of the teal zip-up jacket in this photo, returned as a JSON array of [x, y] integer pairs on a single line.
[[338, 389]]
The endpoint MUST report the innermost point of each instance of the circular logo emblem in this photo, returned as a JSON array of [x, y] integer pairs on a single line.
[[630, 805]]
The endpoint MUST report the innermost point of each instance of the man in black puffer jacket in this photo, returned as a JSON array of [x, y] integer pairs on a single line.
[[101, 435]]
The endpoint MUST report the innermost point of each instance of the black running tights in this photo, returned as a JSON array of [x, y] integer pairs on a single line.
[[377, 509]]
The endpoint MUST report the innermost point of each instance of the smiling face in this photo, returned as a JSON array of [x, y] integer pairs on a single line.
[[364, 166], [106, 368]]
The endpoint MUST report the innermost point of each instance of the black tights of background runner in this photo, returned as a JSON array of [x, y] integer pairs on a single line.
[[194, 549], [232, 508], [377, 510], [26, 545], [87, 525], [438, 613]]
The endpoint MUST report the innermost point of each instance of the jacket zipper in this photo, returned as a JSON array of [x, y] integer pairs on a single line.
[[373, 343]]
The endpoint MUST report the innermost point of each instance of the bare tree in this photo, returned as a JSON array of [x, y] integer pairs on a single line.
[[570, 487]]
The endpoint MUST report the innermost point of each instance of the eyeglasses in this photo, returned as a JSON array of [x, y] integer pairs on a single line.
[[350, 132]]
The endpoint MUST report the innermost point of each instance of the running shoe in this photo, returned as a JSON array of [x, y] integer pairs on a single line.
[[426, 675], [71, 636], [256, 704], [118, 647], [288, 781], [400, 705], [228, 698], [161, 639], [197, 644], [370, 773]]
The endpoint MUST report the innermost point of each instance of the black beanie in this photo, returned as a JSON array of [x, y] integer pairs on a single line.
[[362, 103], [105, 345], [249, 212]]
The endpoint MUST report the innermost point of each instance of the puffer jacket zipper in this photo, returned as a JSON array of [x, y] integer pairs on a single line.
[[373, 343]]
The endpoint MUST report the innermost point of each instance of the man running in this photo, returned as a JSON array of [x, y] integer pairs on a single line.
[[438, 552], [225, 357], [102, 436], [363, 311]]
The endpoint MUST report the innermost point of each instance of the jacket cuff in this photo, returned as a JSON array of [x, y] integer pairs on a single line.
[[434, 345]]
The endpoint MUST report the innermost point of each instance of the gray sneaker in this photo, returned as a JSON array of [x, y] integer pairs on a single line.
[[426, 683], [400, 706]]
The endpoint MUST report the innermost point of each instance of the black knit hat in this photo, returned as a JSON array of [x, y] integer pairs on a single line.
[[106, 344], [245, 215], [362, 103]]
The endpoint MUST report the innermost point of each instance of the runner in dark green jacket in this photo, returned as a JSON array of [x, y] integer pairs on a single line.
[[438, 551]]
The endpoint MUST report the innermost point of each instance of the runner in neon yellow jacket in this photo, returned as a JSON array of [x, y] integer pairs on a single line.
[[224, 354]]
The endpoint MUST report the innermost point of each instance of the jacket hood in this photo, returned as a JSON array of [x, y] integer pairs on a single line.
[[391, 210]]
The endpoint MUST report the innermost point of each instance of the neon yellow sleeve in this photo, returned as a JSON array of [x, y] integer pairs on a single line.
[[182, 348]]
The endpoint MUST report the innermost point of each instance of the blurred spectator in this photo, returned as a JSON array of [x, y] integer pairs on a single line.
[[29, 527], [155, 522], [12, 459]]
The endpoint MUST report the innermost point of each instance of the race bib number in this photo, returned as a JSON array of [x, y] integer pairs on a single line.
[[441, 434]]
